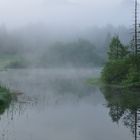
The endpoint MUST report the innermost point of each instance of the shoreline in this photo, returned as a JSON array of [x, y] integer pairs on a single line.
[[99, 82]]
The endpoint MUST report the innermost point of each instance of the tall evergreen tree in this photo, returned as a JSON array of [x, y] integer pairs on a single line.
[[116, 49]]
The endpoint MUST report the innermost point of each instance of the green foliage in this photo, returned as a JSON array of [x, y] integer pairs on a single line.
[[80, 53], [122, 68], [115, 71], [5, 98], [133, 77], [117, 49]]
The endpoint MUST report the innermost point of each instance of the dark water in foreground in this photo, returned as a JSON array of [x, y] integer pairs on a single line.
[[60, 105]]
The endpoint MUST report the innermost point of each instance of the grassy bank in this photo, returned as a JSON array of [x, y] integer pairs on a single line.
[[10, 61], [97, 81], [94, 81]]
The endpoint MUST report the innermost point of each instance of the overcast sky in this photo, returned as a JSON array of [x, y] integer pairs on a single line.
[[66, 13]]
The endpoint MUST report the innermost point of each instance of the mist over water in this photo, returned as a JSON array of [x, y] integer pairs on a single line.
[[49, 49], [57, 104]]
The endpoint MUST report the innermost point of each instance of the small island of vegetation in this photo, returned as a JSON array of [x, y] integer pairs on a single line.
[[123, 65]]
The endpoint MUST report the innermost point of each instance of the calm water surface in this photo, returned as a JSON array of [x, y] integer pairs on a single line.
[[59, 105]]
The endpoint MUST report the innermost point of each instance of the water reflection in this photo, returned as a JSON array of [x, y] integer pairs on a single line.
[[56, 104], [59, 105], [124, 107]]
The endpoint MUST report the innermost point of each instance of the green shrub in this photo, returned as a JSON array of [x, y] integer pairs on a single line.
[[133, 76], [115, 72]]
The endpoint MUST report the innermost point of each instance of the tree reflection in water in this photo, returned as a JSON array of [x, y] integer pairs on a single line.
[[124, 106]]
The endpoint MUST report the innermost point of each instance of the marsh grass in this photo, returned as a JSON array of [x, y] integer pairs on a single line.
[[5, 98]]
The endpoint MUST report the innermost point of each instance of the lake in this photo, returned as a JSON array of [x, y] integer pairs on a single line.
[[58, 104]]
